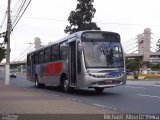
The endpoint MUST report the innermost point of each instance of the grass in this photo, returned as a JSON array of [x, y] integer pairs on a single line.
[[153, 77], [146, 77]]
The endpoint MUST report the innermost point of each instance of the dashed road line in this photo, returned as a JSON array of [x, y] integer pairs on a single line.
[[157, 85], [149, 96], [103, 106], [76, 100], [135, 87], [54, 95]]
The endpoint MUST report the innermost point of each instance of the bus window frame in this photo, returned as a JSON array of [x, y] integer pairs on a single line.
[[60, 52], [41, 56], [28, 60], [47, 52], [36, 58], [52, 56]]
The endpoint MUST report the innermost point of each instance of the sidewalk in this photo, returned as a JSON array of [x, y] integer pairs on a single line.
[[17, 100]]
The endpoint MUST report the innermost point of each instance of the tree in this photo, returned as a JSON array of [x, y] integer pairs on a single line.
[[81, 18], [132, 64], [154, 66], [2, 51]]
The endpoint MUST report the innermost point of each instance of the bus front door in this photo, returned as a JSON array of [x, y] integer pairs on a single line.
[[72, 63]]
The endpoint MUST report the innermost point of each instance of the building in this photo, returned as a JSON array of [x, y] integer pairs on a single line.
[[19, 66]]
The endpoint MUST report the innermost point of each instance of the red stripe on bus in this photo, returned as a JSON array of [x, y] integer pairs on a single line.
[[53, 68]]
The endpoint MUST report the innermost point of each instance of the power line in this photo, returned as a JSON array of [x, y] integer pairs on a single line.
[[15, 6], [131, 48], [4, 3], [4, 18], [130, 40], [37, 18], [130, 43], [25, 55], [17, 19], [128, 24], [134, 51], [23, 52], [19, 10]]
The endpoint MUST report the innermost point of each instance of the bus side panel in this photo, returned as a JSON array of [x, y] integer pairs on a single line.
[[50, 73], [29, 73], [53, 68]]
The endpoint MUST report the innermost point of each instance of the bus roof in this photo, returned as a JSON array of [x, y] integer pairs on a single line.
[[76, 34]]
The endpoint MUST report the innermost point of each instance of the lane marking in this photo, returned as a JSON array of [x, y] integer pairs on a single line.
[[157, 85], [54, 95], [105, 106], [149, 96], [135, 87], [76, 100], [31, 89]]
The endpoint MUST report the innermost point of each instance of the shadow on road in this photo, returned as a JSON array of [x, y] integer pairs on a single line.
[[81, 92]]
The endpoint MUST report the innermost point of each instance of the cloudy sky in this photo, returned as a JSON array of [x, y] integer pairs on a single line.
[[47, 20]]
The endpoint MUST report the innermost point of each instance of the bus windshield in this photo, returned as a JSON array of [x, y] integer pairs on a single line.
[[103, 54]]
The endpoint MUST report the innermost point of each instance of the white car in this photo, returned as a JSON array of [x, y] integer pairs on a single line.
[[152, 72], [12, 74]]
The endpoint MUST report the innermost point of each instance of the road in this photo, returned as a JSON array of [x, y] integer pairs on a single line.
[[135, 97]]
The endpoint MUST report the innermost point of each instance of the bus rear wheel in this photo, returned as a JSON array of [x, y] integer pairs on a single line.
[[99, 90], [37, 84]]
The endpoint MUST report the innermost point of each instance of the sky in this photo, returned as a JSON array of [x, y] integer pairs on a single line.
[[47, 20]]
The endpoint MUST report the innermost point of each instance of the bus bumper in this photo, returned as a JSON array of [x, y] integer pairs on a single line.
[[105, 86], [92, 82]]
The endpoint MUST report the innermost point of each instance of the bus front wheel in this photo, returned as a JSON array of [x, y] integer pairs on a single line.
[[66, 86]]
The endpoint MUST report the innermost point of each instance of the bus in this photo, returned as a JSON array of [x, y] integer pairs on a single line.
[[86, 59]]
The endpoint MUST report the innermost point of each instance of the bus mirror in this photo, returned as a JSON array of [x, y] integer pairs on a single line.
[[80, 48]]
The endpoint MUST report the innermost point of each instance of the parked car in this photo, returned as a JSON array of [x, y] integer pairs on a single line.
[[152, 72], [13, 74], [130, 73]]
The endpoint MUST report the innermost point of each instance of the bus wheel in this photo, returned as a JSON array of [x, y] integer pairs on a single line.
[[99, 90], [37, 84], [36, 81], [66, 86]]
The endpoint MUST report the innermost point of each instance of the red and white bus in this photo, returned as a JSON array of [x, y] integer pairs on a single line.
[[85, 59]]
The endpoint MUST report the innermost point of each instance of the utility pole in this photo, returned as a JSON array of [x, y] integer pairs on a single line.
[[7, 79]]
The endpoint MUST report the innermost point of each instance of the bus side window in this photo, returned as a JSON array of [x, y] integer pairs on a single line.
[[63, 51], [36, 58], [28, 60], [41, 57], [54, 53], [32, 59], [47, 54]]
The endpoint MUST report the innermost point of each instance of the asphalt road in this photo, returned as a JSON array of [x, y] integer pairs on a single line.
[[135, 97]]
